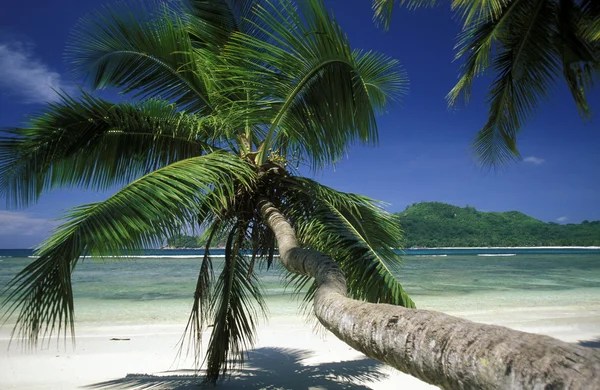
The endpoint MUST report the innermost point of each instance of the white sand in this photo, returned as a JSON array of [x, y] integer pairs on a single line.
[[288, 355], [515, 247]]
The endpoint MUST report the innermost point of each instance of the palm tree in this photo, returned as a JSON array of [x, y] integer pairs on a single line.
[[528, 46], [233, 97], [248, 90]]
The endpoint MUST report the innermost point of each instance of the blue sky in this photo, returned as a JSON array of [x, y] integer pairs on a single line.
[[423, 154]]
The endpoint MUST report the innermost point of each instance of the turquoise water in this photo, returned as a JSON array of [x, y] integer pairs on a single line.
[[158, 287]]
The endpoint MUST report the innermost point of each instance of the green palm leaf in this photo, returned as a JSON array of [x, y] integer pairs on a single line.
[[577, 51], [383, 9], [118, 47], [355, 231], [138, 216], [211, 23], [526, 67], [590, 23], [236, 297], [96, 144], [382, 77], [476, 42], [477, 11], [202, 297], [317, 88], [527, 44]]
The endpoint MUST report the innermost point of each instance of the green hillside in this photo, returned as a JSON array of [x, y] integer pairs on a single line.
[[436, 224], [186, 241], [183, 241]]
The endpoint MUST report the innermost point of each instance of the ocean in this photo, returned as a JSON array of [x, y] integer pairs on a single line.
[[157, 286]]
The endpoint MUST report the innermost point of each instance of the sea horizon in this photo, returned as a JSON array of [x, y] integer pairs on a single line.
[[440, 251]]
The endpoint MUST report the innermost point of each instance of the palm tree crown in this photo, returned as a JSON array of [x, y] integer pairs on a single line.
[[528, 46], [230, 97]]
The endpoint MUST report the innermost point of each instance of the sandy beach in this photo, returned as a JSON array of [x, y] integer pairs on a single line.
[[289, 354], [518, 247]]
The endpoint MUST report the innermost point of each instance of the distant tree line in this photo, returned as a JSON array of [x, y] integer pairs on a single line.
[[183, 241], [436, 224], [187, 241]]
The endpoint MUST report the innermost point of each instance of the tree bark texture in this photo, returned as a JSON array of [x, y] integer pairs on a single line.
[[446, 351]]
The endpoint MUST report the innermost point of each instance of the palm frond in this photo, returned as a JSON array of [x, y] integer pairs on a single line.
[[355, 231], [526, 67], [138, 216], [95, 144], [310, 78], [382, 77], [210, 23], [476, 42], [578, 54], [44, 293], [590, 25], [383, 9], [527, 44], [117, 46], [477, 11], [591, 29], [371, 264], [202, 296], [235, 300]]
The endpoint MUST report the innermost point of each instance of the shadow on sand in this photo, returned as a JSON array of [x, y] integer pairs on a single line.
[[590, 343], [265, 368]]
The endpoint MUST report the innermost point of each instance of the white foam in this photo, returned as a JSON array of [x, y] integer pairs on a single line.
[[198, 256], [428, 255], [497, 254], [147, 256]]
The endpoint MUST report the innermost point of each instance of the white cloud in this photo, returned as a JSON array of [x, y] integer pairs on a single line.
[[23, 75], [562, 219], [21, 224], [534, 160]]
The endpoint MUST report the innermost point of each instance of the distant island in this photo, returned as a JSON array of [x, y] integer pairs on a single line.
[[437, 224]]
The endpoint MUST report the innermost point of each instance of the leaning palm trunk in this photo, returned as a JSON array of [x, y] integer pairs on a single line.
[[446, 351]]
